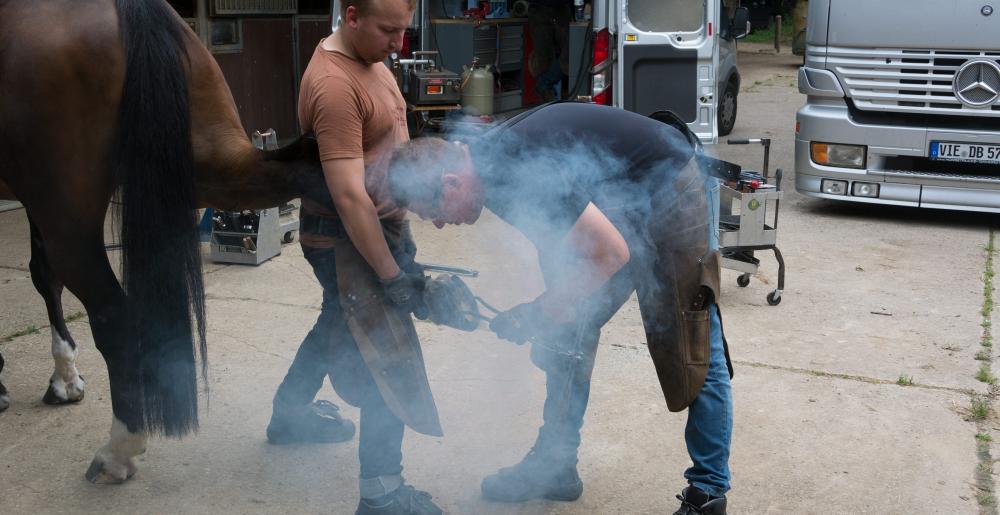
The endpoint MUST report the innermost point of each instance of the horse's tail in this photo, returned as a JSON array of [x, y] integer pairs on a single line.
[[161, 258]]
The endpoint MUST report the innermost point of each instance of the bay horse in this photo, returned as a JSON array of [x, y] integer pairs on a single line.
[[119, 98]]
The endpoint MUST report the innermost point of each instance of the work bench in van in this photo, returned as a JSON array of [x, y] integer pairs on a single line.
[[505, 43]]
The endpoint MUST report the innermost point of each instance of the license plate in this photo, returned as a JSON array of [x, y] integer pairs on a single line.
[[968, 152]]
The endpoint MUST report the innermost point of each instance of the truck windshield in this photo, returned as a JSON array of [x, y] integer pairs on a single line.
[[666, 15]]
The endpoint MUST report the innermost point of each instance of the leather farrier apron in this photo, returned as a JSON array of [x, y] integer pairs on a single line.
[[685, 273], [386, 337]]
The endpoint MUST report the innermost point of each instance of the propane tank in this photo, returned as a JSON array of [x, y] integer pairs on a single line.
[[477, 89]]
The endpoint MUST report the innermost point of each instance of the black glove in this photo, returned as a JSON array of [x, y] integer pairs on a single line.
[[520, 323], [408, 246], [450, 302], [405, 290], [403, 248]]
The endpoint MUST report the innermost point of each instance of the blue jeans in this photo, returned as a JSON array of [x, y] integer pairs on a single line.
[[329, 350], [709, 428], [710, 417], [568, 365]]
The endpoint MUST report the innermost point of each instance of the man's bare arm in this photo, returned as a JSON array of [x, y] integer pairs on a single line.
[[345, 178], [600, 251]]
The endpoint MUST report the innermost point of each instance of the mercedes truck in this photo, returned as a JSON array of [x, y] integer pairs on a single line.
[[902, 103]]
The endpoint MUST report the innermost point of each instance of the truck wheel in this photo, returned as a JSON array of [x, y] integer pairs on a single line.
[[727, 110]]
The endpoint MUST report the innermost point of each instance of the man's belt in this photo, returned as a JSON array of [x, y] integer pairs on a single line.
[[323, 226]]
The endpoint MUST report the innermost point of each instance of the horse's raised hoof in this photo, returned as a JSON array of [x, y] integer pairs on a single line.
[[62, 392], [105, 471]]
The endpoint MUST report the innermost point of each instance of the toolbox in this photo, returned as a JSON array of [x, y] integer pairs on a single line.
[[429, 84], [251, 237]]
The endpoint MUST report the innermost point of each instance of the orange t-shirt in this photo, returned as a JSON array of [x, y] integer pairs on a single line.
[[355, 110]]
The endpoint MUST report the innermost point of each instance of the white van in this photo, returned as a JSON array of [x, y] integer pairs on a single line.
[[640, 55], [676, 55]]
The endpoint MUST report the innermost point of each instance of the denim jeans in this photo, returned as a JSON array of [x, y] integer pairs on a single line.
[[709, 428], [710, 417], [330, 350], [708, 433]]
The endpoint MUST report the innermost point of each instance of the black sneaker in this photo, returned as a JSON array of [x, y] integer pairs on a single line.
[[535, 477], [320, 422], [694, 501], [404, 500]]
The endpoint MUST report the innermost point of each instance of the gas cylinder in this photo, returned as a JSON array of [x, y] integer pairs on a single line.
[[477, 90]]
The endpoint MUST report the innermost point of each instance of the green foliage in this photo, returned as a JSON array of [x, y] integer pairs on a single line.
[[984, 375], [979, 407], [23, 332], [767, 35]]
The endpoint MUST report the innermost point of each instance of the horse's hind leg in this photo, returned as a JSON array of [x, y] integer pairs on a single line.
[[66, 385], [4, 398], [90, 277]]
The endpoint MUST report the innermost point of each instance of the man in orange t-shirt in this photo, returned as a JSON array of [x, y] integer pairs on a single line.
[[362, 253]]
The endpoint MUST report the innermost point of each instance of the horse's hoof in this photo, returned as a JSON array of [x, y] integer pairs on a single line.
[[4, 401], [62, 392], [105, 471]]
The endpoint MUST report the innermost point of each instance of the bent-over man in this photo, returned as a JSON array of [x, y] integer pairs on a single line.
[[614, 202]]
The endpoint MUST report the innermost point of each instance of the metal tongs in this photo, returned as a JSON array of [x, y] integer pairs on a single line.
[[467, 306]]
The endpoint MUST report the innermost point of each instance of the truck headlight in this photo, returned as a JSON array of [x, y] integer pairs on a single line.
[[832, 154]]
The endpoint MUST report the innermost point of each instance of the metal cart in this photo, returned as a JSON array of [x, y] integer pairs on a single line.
[[748, 221], [253, 236]]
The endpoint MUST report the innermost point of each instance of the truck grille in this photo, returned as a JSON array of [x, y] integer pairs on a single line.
[[928, 168], [905, 81]]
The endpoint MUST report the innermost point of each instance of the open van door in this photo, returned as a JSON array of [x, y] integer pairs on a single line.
[[667, 60]]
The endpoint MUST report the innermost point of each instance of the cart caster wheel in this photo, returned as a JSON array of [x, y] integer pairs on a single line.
[[288, 237], [773, 298], [743, 280]]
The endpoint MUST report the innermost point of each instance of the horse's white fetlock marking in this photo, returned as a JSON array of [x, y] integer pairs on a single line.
[[66, 383], [114, 462]]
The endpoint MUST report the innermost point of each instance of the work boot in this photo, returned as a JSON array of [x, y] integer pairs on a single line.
[[695, 501], [536, 477], [404, 500], [319, 422]]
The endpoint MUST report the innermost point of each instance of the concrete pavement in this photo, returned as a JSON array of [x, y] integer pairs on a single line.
[[822, 426]]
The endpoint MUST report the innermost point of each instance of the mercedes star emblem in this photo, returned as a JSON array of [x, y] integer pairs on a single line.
[[987, 10], [977, 83]]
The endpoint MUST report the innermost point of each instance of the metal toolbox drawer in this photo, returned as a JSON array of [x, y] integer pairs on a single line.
[[511, 40], [507, 101], [485, 56], [510, 60], [512, 31], [486, 32]]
